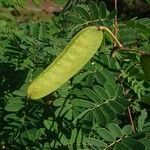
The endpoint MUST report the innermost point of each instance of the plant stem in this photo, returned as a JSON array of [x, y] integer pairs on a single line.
[[113, 36], [120, 46], [131, 119], [140, 52], [115, 23], [117, 141]]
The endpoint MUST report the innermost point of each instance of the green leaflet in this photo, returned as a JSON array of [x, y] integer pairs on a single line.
[[145, 63], [146, 99], [76, 54]]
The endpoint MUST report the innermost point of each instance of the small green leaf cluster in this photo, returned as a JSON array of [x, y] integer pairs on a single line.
[[91, 14]]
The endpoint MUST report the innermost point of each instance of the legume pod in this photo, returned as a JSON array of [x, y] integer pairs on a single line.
[[76, 54]]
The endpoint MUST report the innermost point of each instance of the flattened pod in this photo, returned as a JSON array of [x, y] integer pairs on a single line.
[[76, 54], [145, 63]]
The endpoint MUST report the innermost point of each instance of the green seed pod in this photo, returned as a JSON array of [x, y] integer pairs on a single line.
[[145, 63], [76, 54]]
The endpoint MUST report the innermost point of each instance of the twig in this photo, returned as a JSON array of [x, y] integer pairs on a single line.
[[115, 23], [125, 49], [131, 120], [120, 46], [112, 144]]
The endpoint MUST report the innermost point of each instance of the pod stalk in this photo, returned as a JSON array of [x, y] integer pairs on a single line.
[[103, 28]]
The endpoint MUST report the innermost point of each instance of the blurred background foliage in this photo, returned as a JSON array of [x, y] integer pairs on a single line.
[[102, 106]]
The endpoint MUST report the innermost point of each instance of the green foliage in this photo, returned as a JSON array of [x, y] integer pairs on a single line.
[[92, 14], [16, 3], [90, 111], [148, 1]]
